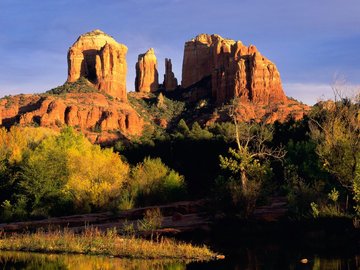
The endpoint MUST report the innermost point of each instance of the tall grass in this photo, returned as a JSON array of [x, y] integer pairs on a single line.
[[95, 242]]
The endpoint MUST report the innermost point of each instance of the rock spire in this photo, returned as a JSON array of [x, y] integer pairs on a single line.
[[170, 82], [147, 78]]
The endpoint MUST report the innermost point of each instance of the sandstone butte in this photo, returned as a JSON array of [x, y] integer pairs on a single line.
[[147, 77], [235, 70], [232, 69], [170, 82], [100, 59]]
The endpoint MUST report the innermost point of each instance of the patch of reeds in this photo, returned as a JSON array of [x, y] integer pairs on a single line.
[[95, 242]]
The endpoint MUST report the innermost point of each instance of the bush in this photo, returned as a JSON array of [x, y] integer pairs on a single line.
[[50, 174], [153, 182]]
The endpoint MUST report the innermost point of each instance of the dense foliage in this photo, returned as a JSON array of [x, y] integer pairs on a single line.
[[45, 174], [314, 162]]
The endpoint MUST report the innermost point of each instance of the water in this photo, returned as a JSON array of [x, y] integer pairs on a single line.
[[242, 260]]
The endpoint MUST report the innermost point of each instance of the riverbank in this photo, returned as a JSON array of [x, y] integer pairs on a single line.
[[95, 242]]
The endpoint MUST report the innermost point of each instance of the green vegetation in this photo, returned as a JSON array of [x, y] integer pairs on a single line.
[[314, 162], [249, 165], [157, 107], [95, 242], [82, 85], [45, 174], [336, 130], [153, 182]]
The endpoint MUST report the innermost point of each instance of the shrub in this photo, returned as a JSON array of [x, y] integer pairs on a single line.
[[153, 182], [152, 220]]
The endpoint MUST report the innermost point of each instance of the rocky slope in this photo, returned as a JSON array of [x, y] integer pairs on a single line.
[[100, 117]]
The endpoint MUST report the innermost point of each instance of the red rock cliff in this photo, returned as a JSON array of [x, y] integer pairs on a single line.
[[235, 70], [88, 112], [147, 77], [99, 58]]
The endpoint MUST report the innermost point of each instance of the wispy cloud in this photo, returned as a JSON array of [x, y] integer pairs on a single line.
[[311, 93]]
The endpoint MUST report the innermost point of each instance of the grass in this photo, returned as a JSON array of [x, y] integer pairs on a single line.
[[109, 243]]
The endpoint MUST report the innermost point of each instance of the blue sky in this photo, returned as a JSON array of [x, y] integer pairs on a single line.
[[311, 42]]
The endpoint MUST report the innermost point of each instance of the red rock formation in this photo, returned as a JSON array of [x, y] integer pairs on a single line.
[[88, 112], [99, 58], [147, 78], [170, 82], [235, 70]]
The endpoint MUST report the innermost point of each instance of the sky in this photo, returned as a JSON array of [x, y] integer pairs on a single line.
[[312, 42]]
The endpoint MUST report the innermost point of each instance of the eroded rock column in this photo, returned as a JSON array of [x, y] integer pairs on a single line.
[[147, 77]]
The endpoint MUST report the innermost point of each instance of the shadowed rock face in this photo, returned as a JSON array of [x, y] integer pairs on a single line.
[[235, 70], [147, 77], [170, 82], [99, 58]]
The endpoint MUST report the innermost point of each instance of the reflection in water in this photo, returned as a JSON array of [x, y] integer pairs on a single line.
[[30, 261], [252, 260], [272, 261]]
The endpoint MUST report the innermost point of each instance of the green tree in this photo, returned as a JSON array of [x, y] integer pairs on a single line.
[[183, 128], [45, 173], [335, 127], [198, 133], [249, 162]]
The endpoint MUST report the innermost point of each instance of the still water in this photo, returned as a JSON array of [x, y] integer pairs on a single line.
[[244, 261]]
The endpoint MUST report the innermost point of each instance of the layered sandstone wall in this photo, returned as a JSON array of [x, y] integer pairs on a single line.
[[235, 69], [87, 112], [99, 58]]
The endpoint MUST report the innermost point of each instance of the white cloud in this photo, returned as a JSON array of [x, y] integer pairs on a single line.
[[310, 93]]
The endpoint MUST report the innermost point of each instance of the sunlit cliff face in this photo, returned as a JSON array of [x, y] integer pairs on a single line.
[[99, 58]]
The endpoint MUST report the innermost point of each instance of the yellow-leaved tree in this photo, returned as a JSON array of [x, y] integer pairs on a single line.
[[96, 176]]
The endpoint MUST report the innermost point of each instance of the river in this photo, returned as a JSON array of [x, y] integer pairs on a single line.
[[244, 259]]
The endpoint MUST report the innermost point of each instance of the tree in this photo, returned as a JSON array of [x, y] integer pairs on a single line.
[[96, 176], [67, 170], [45, 172], [336, 129], [198, 133], [249, 161]]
